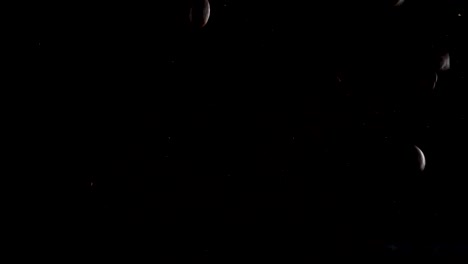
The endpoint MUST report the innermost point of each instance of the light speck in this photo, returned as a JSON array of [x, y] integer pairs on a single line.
[[445, 62], [399, 2], [459, 15], [92, 183], [392, 247]]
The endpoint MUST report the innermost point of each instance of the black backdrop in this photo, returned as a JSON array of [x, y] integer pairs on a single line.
[[279, 130]]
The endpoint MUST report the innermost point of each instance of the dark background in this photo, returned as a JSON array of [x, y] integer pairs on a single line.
[[280, 130]]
